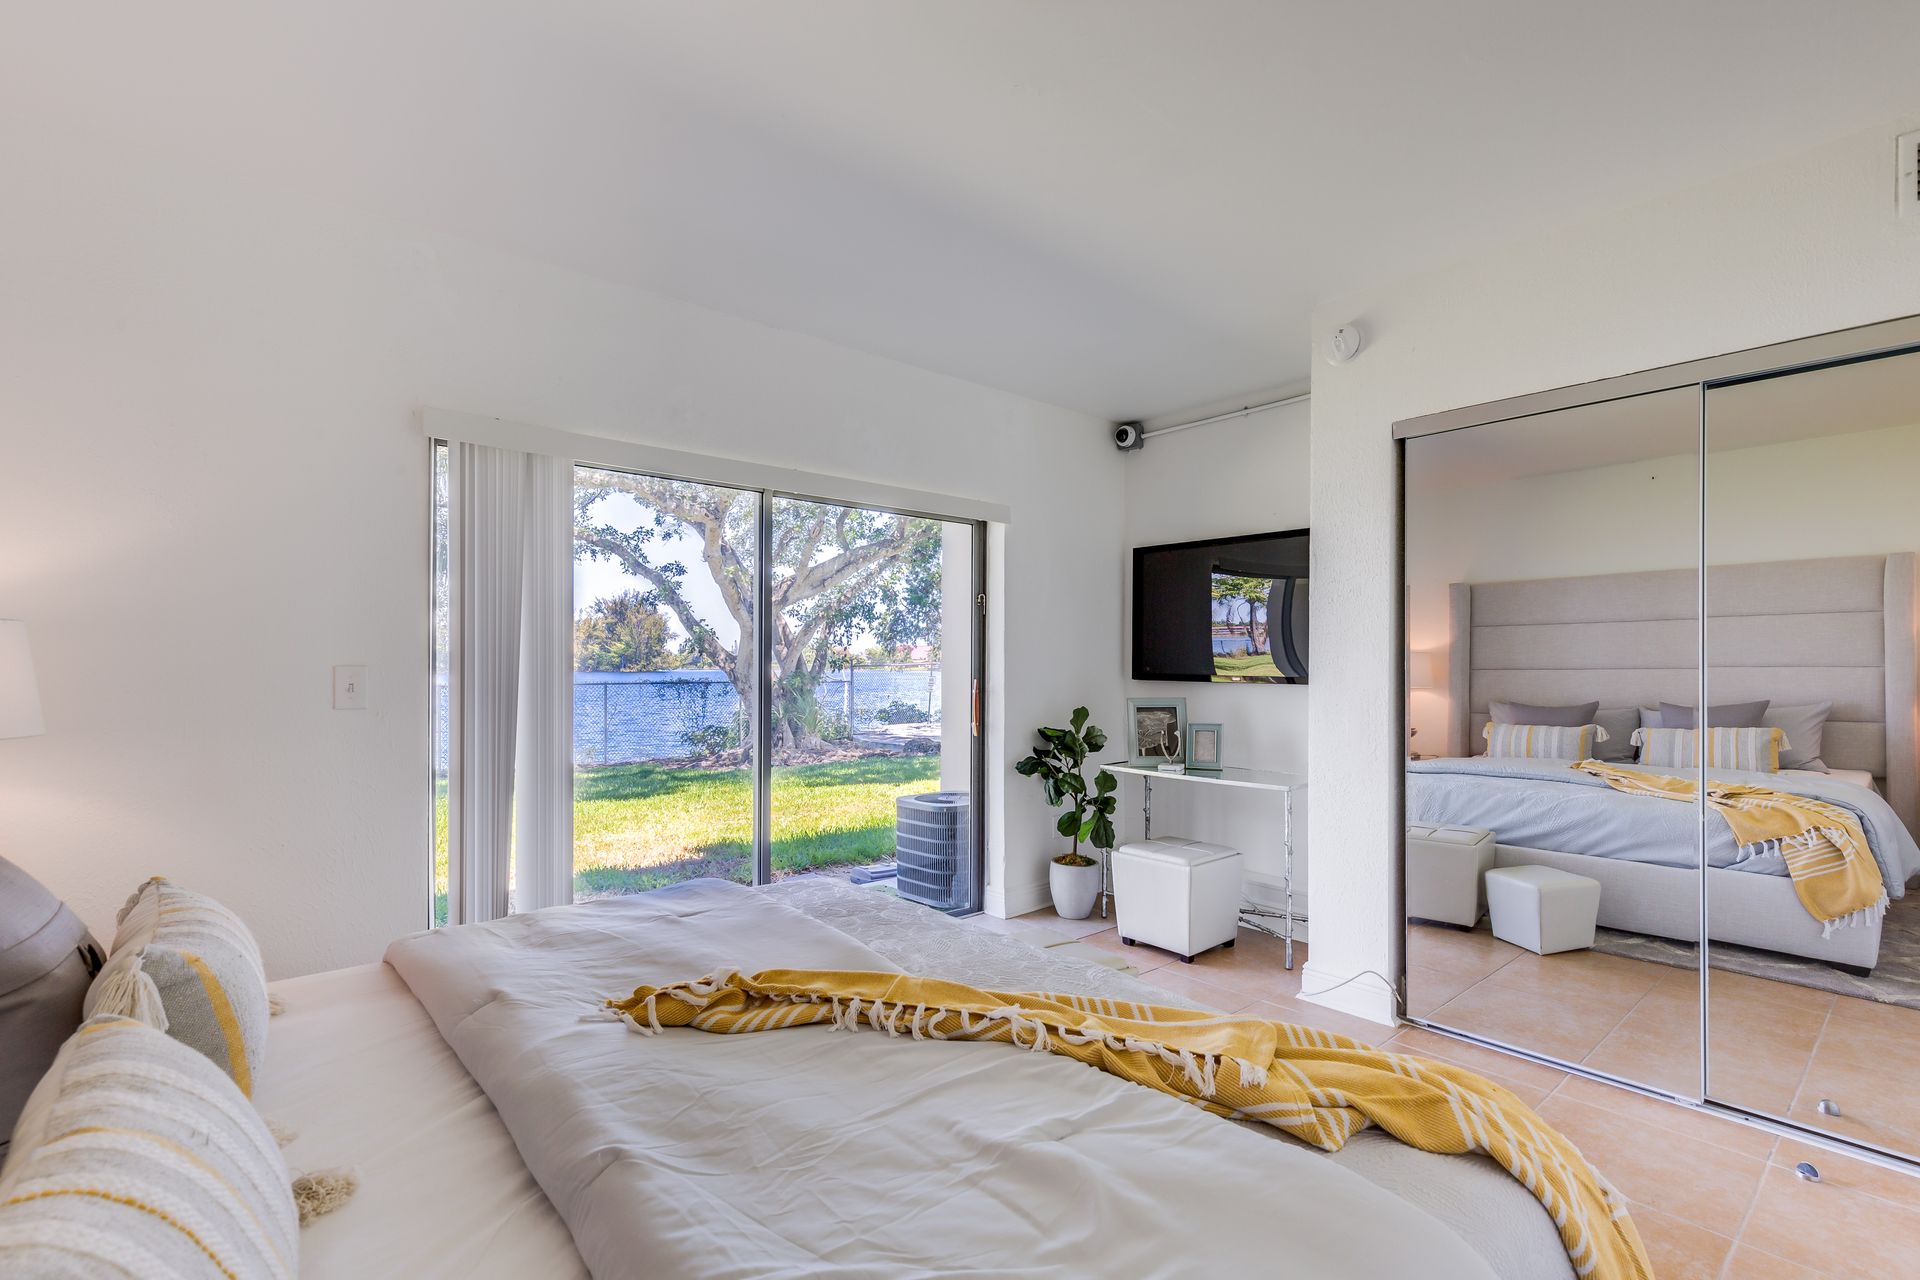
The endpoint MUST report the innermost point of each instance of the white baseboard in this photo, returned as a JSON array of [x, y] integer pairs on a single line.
[[1364, 997], [1017, 900], [1008, 902]]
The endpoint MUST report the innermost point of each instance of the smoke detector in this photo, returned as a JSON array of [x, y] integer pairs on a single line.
[[1344, 343], [1909, 171]]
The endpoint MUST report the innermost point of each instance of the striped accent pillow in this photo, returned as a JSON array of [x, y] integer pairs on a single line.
[[185, 965], [1755, 749], [1543, 741], [136, 1156]]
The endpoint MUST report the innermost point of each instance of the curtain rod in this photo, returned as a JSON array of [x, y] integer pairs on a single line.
[[1231, 413]]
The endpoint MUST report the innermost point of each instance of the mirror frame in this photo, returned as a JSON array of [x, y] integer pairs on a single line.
[[1799, 355]]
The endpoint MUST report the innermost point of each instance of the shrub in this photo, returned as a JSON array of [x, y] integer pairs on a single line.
[[898, 712], [712, 739]]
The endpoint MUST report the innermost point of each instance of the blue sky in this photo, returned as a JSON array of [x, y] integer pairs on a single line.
[[597, 579]]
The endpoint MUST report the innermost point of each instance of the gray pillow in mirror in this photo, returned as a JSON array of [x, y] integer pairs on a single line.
[[1619, 725], [47, 958], [1728, 715], [1805, 727], [1559, 717]]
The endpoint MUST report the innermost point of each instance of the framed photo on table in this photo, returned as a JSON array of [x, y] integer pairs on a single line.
[[1156, 731], [1203, 747]]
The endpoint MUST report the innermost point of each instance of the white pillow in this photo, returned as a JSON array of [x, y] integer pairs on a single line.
[[185, 965], [137, 1156], [1754, 749], [1543, 741]]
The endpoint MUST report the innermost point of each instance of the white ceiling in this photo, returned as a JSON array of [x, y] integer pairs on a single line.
[[1121, 206]]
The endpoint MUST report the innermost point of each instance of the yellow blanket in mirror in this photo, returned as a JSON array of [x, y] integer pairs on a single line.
[[1824, 846]]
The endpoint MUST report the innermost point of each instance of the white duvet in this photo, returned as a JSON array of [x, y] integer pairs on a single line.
[[811, 1152]]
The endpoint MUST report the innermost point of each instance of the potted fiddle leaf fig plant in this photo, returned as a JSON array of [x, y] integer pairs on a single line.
[[1059, 761]]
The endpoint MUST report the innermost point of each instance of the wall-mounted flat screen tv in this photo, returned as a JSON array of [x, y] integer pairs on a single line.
[[1230, 610]]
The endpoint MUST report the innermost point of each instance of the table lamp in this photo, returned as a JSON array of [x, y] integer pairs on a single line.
[[1423, 672], [19, 695]]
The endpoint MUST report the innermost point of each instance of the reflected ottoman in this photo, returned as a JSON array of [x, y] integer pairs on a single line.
[[1543, 909], [1444, 870]]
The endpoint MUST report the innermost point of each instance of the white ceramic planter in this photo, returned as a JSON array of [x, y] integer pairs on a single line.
[[1075, 889]]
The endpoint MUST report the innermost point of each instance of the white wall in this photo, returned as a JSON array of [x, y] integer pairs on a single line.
[[213, 487], [1246, 475], [1805, 245]]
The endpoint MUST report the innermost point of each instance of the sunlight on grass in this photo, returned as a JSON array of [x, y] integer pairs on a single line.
[[1253, 666], [640, 826]]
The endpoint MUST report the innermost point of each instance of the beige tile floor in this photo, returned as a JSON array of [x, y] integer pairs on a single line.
[[1715, 1200], [1778, 1049]]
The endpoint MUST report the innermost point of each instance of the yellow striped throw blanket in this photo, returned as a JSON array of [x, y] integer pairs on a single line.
[[1319, 1087], [1825, 848]]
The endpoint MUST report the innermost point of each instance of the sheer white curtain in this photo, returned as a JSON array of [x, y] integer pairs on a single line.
[[510, 774]]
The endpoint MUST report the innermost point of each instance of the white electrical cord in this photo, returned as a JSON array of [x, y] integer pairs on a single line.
[[1399, 1001]]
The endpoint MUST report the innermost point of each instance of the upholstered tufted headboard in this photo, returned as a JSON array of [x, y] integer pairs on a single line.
[[1794, 631]]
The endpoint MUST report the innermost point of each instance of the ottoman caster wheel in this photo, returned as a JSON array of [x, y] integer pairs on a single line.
[[1127, 942], [1228, 944], [1186, 959]]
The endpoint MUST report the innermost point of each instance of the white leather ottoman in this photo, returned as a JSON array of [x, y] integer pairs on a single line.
[[1179, 895], [1543, 909], [1444, 870]]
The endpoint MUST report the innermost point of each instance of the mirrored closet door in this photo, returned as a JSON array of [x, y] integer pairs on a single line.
[[1663, 770], [1811, 532], [1552, 593]]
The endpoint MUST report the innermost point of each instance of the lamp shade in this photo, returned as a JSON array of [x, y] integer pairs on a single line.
[[19, 695], [1423, 670]]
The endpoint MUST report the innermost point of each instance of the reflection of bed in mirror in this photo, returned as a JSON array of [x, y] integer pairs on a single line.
[[1795, 632]]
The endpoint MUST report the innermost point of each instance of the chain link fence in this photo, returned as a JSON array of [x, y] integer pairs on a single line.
[[626, 717]]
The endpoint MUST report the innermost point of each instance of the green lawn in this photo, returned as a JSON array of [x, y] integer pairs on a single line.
[[1246, 667], [640, 826]]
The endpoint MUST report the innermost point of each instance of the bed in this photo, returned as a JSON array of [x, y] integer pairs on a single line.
[[1839, 630], [801, 1152]]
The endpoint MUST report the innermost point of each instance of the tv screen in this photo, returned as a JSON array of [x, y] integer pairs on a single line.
[[1233, 610]]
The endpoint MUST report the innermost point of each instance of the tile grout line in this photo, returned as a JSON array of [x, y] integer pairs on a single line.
[[1806, 1071], [1740, 1234], [1621, 1022], [1435, 1014]]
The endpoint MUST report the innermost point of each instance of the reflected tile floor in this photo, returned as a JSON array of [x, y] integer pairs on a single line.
[[1714, 1199]]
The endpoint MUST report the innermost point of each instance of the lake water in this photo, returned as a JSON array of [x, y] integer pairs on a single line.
[[621, 717]]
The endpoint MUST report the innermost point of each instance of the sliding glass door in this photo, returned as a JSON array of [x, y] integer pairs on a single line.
[[665, 681], [871, 724], [763, 686]]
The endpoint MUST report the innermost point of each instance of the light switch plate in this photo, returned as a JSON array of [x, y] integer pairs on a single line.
[[349, 688], [1907, 167]]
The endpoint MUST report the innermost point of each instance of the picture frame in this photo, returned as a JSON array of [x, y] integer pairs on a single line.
[[1203, 748], [1156, 731]]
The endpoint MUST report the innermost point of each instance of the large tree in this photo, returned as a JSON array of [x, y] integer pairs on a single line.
[[1240, 594], [836, 572], [624, 632]]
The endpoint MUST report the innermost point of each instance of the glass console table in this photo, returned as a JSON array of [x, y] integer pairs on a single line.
[[1251, 915]]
